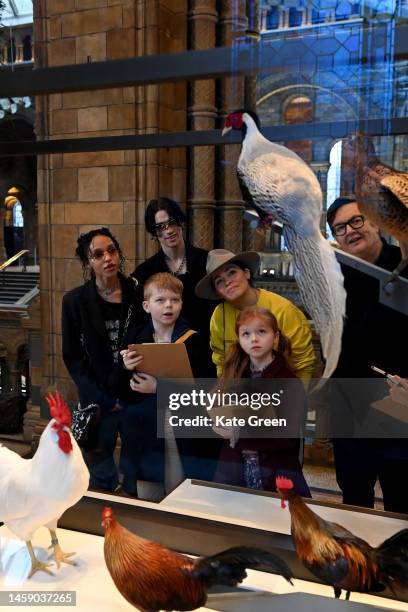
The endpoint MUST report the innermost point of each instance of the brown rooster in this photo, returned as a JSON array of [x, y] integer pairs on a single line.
[[338, 557], [381, 192], [152, 577]]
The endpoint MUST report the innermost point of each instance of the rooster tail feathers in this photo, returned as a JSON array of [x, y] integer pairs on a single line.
[[228, 567], [320, 282], [392, 558]]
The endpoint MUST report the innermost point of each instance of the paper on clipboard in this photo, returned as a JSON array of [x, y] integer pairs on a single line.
[[164, 359]]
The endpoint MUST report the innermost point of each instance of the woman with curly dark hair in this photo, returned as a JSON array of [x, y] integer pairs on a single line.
[[95, 319]]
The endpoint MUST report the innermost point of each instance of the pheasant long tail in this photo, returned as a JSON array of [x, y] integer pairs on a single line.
[[320, 282]]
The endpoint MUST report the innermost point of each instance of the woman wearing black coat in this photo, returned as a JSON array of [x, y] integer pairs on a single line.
[[95, 318]]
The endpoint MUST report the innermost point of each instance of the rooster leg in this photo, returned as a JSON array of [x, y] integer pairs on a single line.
[[59, 555], [337, 592], [37, 566], [395, 273]]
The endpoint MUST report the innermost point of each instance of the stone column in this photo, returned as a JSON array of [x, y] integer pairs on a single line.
[[233, 23], [252, 239], [202, 114], [161, 28]]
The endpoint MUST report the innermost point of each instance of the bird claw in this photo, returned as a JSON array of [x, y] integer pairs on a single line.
[[39, 566], [62, 557]]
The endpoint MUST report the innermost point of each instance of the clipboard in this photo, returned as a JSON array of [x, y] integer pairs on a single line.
[[164, 359]]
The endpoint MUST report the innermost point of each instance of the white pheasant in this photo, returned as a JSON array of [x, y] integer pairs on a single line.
[[283, 186]]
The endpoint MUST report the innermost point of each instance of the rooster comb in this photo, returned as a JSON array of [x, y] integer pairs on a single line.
[[59, 409], [107, 513], [283, 483]]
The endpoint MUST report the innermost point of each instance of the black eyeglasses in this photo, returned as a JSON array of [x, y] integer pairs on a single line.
[[355, 223], [159, 228], [99, 254]]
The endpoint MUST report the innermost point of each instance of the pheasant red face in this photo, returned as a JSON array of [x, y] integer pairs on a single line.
[[61, 413], [234, 120], [283, 485]]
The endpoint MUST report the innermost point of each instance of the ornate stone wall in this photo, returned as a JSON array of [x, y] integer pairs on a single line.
[[232, 24], [202, 114], [81, 191]]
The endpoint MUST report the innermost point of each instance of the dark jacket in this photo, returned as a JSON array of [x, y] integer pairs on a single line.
[[85, 345], [373, 333], [199, 455], [276, 455], [197, 311], [201, 367]]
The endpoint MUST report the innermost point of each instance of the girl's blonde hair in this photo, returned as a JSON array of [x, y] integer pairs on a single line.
[[236, 360]]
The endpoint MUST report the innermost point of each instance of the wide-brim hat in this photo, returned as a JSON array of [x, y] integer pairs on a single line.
[[218, 258]]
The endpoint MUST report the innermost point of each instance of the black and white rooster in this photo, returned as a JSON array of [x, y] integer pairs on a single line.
[[284, 187]]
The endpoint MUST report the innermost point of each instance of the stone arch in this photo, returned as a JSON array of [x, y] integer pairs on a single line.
[[298, 108]]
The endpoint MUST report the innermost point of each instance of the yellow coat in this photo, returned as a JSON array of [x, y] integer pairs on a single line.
[[292, 323]]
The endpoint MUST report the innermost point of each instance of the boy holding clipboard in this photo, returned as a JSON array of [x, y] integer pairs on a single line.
[[163, 302]]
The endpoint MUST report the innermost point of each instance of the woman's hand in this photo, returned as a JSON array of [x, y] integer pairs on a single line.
[[399, 393], [131, 359], [143, 383]]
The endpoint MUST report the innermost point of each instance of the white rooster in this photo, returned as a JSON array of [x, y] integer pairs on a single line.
[[35, 492], [283, 187]]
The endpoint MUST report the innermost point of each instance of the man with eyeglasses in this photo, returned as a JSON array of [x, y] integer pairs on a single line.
[[373, 335]]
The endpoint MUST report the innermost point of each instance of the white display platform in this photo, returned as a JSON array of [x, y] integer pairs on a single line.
[[262, 512], [94, 587]]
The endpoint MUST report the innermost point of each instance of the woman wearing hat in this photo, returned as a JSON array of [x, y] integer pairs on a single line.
[[229, 277]]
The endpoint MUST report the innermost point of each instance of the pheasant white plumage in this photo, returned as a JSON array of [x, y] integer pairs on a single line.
[[281, 184]]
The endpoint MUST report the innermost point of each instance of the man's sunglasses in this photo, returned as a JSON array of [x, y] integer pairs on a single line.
[[159, 228]]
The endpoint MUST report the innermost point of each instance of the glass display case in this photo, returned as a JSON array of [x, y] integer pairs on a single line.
[[130, 102]]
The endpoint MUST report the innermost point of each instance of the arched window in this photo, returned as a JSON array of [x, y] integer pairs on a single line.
[[299, 109], [295, 17], [343, 10], [272, 18], [318, 16], [333, 178]]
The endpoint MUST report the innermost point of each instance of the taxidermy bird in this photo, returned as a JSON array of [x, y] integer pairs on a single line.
[[152, 577], [338, 557], [282, 186], [35, 492], [381, 192]]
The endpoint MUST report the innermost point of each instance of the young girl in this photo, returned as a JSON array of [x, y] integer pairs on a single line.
[[260, 353]]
